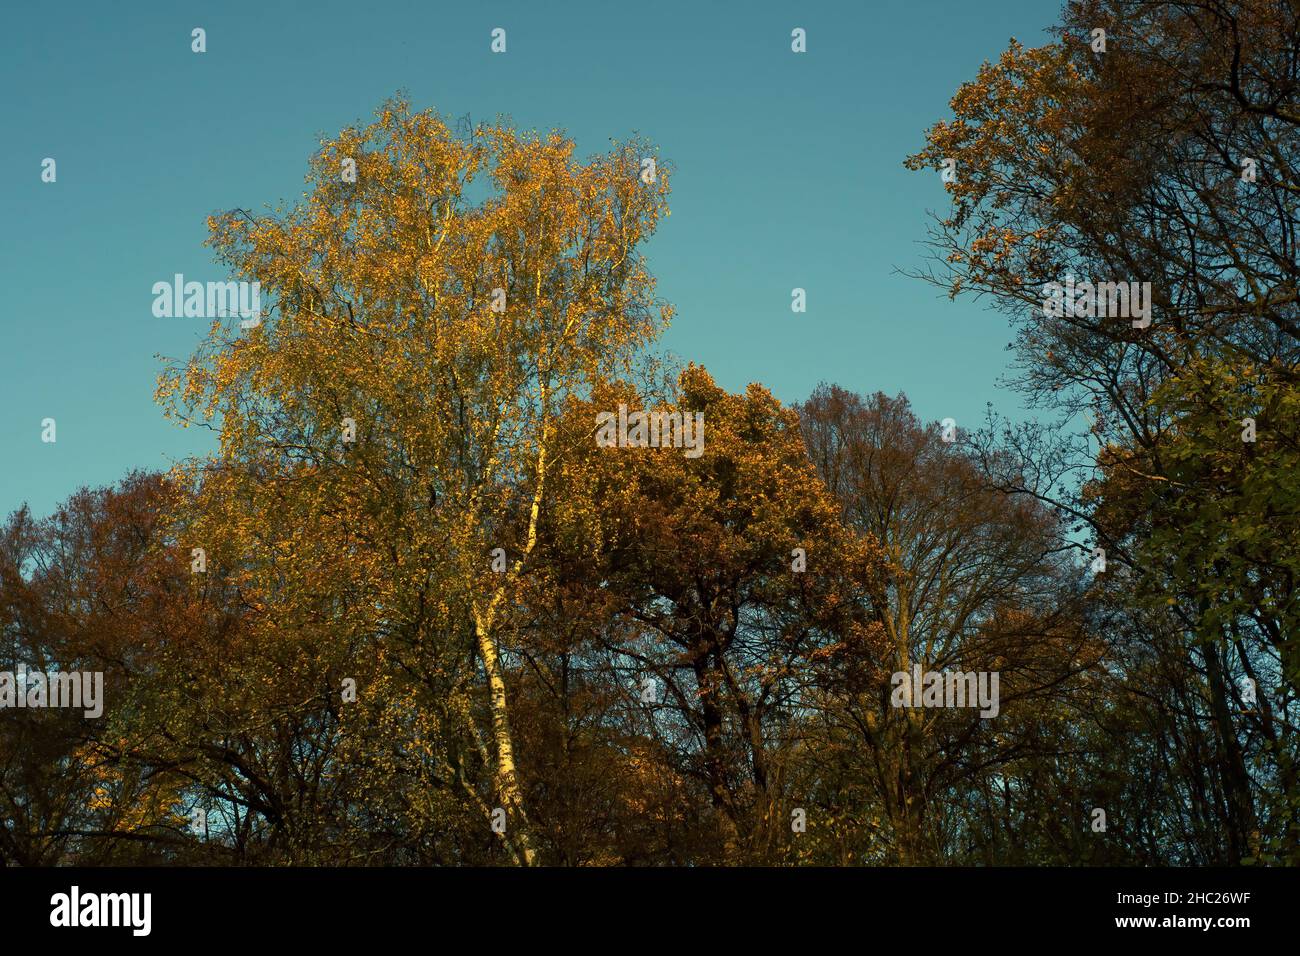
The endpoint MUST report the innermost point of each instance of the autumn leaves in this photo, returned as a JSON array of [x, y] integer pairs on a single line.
[[388, 286]]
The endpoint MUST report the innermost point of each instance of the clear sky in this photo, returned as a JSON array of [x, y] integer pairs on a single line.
[[789, 173]]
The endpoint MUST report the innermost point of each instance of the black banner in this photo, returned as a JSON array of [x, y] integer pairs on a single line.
[[943, 905]]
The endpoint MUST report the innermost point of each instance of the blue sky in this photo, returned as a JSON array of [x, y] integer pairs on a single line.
[[789, 173]]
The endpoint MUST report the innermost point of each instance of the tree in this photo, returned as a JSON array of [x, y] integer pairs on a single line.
[[975, 583], [718, 580], [1169, 158], [443, 335], [89, 590]]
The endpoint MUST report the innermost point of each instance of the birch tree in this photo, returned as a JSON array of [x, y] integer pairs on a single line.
[[426, 319]]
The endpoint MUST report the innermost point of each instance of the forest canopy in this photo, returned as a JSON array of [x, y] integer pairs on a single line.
[[425, 605]]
